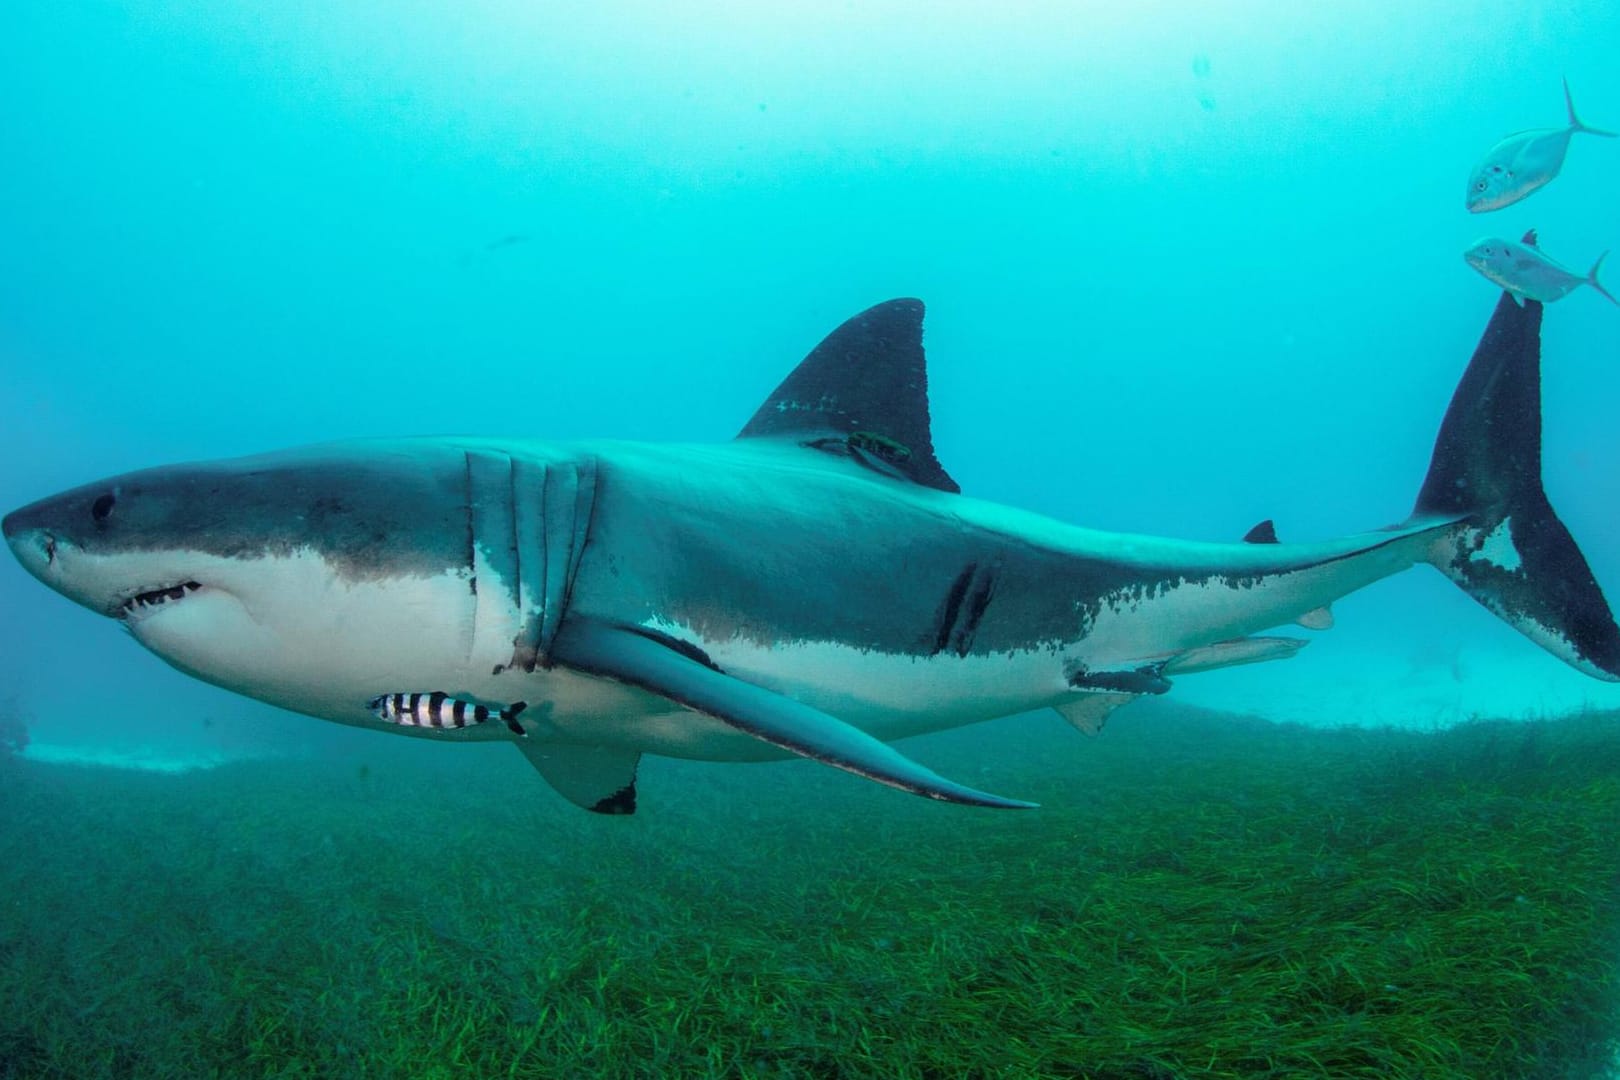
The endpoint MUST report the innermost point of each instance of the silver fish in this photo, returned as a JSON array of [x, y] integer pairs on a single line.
[[1524, 271], [1523, 163], [440, 710]]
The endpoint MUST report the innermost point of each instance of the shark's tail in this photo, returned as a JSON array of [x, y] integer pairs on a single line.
[[1508, 550]]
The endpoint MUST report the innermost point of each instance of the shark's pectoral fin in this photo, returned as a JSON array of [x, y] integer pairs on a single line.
[[1088, 712], [601, 779], [682, 673]]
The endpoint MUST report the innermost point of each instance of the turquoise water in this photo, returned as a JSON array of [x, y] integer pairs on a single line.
[[1187, 267]]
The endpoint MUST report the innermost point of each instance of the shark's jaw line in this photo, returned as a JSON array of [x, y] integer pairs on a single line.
[[148, 602]]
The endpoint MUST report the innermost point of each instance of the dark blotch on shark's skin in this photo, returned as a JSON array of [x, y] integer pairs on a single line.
[[984, 585], [953, 606], [621, 802]]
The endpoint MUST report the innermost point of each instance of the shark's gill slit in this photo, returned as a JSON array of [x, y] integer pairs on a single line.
[[584, 516], [528, 485], [469, 495], [494, 553]]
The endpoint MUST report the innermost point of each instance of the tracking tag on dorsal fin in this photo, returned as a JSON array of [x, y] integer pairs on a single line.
[[862, 393], [1263, 533]]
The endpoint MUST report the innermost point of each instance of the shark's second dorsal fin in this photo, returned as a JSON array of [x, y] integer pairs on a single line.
[[863, 392], [1263, 533]]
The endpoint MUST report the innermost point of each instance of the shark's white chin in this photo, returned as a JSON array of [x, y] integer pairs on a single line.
[[206, 633]]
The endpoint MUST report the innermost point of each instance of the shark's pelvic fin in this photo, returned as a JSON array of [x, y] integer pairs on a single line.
[[601, 779], [681, 673], [862, 392]]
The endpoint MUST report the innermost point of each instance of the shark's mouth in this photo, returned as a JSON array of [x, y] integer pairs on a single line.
[[146, 602]]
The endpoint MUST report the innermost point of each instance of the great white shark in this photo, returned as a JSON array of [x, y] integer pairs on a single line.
[[816, 586]]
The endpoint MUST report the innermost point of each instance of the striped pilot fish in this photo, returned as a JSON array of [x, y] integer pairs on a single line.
[[440, 710]]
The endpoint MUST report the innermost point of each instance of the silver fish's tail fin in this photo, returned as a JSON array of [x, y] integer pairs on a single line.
[[1592, 280], [1507, 548], [1575, 121]]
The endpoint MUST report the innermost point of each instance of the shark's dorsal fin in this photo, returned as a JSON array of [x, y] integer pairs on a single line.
[[863, 392]]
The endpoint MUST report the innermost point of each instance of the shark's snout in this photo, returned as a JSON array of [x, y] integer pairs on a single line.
[[14, 523], [42, 537], [32, 544]]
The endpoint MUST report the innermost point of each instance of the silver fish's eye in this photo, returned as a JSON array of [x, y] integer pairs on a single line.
[[1480, 186]]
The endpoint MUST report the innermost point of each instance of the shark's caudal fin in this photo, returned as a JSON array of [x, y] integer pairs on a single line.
[[1509, 551]]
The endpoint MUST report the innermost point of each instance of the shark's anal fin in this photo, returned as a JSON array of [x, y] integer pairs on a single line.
[[601, 779], [627, 655]]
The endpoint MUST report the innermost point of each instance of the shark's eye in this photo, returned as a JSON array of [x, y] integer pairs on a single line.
[[102, 506]]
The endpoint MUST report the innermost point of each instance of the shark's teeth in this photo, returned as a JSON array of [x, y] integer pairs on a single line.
[[158, 597]]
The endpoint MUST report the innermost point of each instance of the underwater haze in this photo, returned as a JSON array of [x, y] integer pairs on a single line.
[[1187, 267]]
